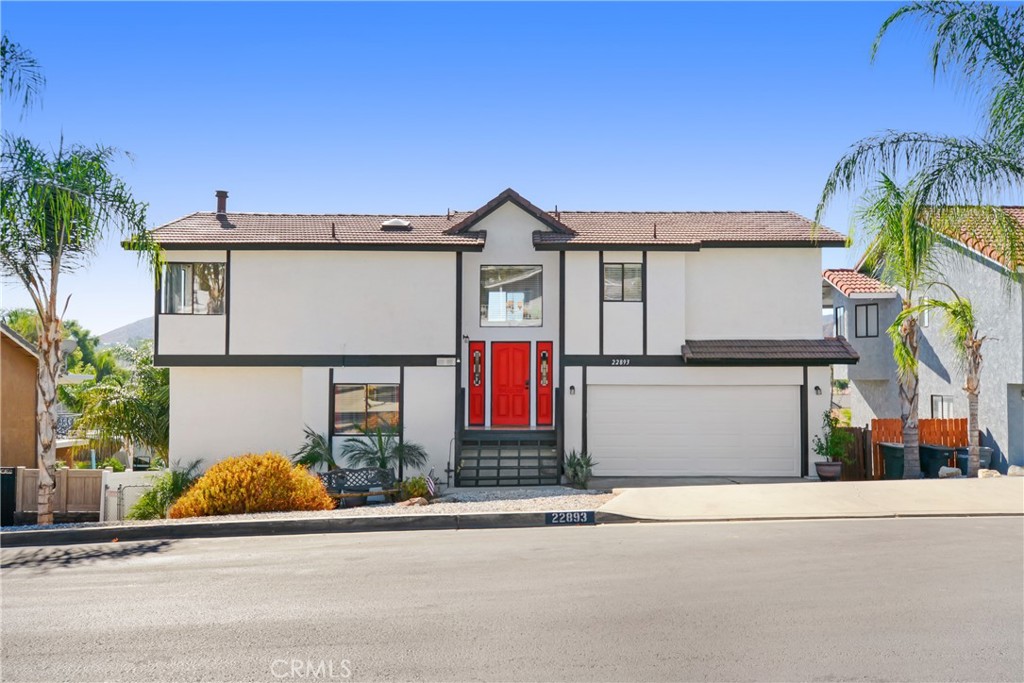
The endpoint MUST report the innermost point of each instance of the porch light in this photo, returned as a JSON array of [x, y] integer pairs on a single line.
[[817, 391]]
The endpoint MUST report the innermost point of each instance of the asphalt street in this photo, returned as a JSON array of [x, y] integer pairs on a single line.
[[891, 600]]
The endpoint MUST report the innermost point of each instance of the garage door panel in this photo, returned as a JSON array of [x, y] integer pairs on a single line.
[[694, 430]]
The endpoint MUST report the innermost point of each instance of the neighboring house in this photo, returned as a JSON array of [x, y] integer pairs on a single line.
[[18, 366], [661, 343], [864, 308]]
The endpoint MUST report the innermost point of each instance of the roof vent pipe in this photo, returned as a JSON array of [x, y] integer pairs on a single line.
[[222, 202]]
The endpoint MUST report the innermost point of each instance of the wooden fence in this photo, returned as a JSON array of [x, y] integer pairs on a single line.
[[78, 493], [949, 432]]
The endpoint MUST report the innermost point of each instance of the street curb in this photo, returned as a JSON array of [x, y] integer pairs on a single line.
[[287, 527]]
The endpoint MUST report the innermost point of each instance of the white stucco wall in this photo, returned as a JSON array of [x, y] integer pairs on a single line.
[[510, 242], [582, 299], [342, 302], [666, 302], [623, 320], [429, 413], [816, 407], [192, 334], [221, 412], [753, 294], [573, 409]]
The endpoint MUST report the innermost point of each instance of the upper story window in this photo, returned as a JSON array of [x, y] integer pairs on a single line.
[[840, 321], [623, 282], [942, 406], [511, 296], [194, 288], [867, 320]]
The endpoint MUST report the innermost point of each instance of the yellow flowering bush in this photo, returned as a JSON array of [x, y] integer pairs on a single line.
[[264, 482]]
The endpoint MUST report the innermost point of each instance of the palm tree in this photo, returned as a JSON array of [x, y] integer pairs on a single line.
[[381, 447], [900, 251], [981, 43], [20, 74], [961, 327], [315, 451]]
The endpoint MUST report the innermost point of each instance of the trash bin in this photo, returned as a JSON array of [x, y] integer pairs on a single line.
[[893, 456], [984, 458], [934, 457]]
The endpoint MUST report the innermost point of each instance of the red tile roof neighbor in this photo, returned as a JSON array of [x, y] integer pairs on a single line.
[[982, 240], [849, 282], [769, 352], [683, 230]]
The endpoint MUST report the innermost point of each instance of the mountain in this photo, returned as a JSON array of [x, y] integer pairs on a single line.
[[130, 334]]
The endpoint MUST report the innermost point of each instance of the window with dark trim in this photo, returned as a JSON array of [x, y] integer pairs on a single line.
[[840, 321], [364, 406], [193, 288], [623, 282], [866, 323], [942, 406], [511, 296]]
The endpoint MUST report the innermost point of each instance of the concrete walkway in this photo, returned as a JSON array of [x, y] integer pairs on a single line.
[[820, 500]]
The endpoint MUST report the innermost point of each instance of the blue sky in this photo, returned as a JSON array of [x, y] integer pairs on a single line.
[[416, 108]]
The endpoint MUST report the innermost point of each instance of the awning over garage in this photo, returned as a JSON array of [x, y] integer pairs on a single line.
[[828, 351]]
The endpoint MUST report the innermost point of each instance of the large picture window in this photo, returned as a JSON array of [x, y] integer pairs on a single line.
[[194, 288], [511, 296], [623, 282], [866, 324], [364, 406]]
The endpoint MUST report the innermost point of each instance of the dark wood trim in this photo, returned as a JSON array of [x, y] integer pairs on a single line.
[[227, 305], [308, 361], [560, 394], [317, 246], [643, 295], [509, 195], [626, 360], [648, 246], [401, 413], [583, 388], [460, 407], [330, 406], [156, 312], [804, 431], [600, 302]]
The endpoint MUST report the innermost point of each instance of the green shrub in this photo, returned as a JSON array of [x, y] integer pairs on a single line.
[[167, 488], [578, 468], [415, 488], [266, 482], [111, 462], [834, 440]]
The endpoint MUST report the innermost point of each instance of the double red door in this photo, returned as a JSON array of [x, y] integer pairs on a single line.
[[511, 383]]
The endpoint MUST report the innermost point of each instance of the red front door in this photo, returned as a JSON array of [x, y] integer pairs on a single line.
[[510, 383]]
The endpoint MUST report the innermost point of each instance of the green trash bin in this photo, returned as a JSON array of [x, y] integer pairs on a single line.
[[892, 453], [934, 457], [984, 458]]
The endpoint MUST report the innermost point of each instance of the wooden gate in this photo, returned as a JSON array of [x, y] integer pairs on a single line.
[[948, 432]]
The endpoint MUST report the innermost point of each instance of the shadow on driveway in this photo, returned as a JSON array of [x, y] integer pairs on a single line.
[[45, 559]]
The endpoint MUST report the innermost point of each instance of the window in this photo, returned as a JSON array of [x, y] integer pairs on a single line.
[[867, 320], [840, 321], [623, 282], [364, 406], [926, 317], [942, 406], [511, 296], [194, 288]]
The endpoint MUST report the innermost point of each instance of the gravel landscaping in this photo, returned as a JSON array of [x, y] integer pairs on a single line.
[[453, 501]]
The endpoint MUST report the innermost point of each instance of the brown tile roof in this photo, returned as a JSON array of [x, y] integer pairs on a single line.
[[570, 229], [849, 282], [769, 352], [981, 238]]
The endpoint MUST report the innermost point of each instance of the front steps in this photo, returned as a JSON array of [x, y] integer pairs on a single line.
[[508, 458]]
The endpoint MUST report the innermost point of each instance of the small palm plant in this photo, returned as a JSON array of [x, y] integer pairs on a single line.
[[578, 468], [171, 485], [315, 452], [381, 447]]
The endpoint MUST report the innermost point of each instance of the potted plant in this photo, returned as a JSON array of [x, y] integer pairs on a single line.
[[832, 445]]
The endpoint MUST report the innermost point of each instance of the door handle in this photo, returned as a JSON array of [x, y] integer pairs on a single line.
[[527, 383]]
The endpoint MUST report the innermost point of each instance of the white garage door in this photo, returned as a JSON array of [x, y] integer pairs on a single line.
[[749, 431]]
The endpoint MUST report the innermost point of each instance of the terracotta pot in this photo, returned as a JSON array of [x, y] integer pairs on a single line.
[[829, 471]]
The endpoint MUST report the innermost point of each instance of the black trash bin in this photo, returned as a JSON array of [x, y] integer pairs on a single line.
[[933, 458], [984, 458]]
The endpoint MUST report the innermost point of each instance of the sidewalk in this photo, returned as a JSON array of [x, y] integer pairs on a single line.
[[821, 500]]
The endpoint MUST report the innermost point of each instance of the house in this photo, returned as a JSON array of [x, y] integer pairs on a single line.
[[685, 343], [865, 307], [19, 361]]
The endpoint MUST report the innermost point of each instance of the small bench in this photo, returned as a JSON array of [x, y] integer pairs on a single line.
[[345, 485]]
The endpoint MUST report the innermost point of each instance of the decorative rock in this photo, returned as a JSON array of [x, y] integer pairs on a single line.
[[1015, 471], [418, 501], [949, 472], [988, 474], [404, 503]]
